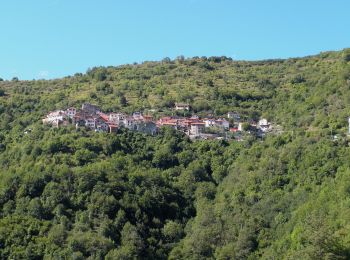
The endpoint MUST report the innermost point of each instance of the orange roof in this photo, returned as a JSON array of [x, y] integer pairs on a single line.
[[104, 116]]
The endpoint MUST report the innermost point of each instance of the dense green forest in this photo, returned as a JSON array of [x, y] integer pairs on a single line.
[[77, 194]]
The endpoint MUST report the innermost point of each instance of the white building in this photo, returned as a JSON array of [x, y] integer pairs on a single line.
[[71, 112], [209, 122], [55, 117], [129, 123], [220, 123], [182, 106], [102, 127], [90, 123], [117, 118], [197, 128], [264, 125], [234, 115], [137, 116]]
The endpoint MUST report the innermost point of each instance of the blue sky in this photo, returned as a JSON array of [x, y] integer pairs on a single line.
[[55, 38]]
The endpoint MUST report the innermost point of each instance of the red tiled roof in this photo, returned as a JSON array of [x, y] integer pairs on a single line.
[[104, 116], [169, 123]]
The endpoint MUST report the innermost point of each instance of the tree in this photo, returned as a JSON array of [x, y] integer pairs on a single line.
[[166, 60], [180, 59], [173, 231], [93, 95], [79, 194], [346, 55], [104, 87], [89, 244], [100, 74], [35, 208], [245, 126], [84, 156], [206, 65], [131, 244], [164, 157], [123, 101], [298, 79]]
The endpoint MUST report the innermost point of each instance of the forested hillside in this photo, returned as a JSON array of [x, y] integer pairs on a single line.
[[77, 194]]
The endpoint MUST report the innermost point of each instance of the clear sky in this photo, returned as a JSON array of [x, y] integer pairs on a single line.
[[55, 38]]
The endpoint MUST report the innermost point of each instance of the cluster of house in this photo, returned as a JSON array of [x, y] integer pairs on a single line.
[[91, 117], [194, 126]]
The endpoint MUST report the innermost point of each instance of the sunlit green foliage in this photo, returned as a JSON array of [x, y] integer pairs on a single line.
[[77, 194]]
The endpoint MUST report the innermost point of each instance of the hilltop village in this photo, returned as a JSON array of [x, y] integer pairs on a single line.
[[91, 117]]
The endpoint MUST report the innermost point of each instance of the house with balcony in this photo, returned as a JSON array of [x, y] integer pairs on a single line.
[[197, 128], [117, 118], [71, 112], [222, 123], [90, 122]]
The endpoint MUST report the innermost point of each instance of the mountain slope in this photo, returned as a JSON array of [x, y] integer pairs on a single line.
[[80, 194]]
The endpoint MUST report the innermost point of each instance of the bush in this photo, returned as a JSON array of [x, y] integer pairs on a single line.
[[298, 79], [346, 55], [104, 88]]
